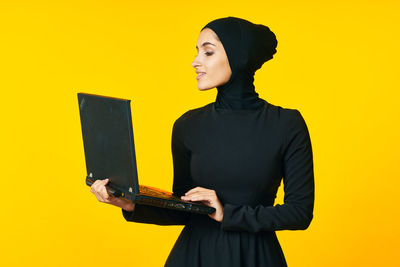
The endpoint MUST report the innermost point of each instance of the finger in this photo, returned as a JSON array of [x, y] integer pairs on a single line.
[[95, 190], [208, 203], [92, 188], [204, 199], [103, 193], [99, 198], [99, 191], [198, 196], [196, 189], [208, 193], [107, 196], [205, 192], [191, 190], [98, 184]]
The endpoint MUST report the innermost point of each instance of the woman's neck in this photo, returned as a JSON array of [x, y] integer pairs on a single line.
[[238, 93]]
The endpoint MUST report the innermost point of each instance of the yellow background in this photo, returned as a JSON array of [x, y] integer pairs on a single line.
[[336, 64]]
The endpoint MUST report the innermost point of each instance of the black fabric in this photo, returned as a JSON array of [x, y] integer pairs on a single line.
[[243, 154]]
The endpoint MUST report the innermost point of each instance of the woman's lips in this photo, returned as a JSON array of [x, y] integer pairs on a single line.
[[201, 74]]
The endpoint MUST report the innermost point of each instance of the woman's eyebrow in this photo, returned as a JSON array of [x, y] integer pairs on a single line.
[[204, 44]]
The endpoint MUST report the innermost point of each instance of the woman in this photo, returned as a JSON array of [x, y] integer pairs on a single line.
[[232, 155]]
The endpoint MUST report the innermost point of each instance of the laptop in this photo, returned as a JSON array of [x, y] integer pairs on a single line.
[[110, 153]]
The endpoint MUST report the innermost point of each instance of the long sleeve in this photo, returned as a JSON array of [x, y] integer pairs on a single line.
[[181, 184], [298, 177]]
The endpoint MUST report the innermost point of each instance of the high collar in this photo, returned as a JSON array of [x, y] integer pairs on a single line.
[[238, 93]]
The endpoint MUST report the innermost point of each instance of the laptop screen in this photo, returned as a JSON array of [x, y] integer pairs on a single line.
[[108, 140]]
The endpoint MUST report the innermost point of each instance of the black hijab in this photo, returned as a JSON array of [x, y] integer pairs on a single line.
[[248, 46]]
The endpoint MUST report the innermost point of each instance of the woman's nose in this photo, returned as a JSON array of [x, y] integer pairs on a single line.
[[195, 62]]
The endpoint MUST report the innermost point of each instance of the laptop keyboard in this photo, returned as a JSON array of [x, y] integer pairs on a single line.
[[155, 192]]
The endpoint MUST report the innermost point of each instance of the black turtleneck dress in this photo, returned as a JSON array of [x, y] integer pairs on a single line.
[[242, 147]]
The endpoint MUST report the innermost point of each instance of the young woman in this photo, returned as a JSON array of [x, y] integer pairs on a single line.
[[232, 155]]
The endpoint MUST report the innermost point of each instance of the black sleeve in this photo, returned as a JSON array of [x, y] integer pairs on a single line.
[[181, 184], [298, 177]]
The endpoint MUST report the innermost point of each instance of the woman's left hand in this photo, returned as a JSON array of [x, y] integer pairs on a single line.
[[209, 198]]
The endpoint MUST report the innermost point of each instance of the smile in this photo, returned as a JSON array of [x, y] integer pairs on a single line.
[[200, 75]]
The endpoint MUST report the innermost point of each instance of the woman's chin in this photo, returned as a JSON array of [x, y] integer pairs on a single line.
[[202, 87]]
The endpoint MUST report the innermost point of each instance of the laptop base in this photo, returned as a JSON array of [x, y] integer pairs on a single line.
[[156, 197]]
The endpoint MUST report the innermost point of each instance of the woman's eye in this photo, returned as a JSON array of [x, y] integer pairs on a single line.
[[207, 53]]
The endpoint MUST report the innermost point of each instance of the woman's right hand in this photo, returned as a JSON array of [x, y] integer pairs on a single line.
[[98, 188]]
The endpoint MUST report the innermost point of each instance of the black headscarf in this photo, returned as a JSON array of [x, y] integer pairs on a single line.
[[248, 46]]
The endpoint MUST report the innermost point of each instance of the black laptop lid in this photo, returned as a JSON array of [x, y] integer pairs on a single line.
[[108, 141]]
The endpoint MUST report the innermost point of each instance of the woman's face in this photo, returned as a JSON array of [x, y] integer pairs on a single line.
[[211, 63]]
